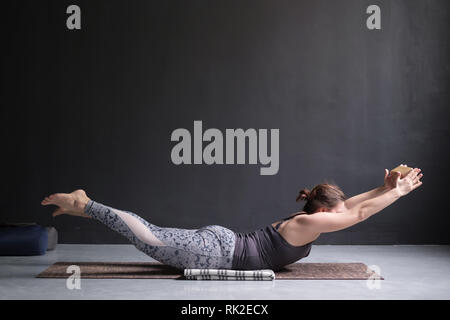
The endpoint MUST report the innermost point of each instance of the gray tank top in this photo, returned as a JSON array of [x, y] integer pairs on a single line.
[[266, 249]]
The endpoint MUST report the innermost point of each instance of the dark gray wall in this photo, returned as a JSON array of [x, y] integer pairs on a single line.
[[95, 108]]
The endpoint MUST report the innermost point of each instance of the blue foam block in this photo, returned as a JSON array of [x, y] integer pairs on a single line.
[[23, 240]]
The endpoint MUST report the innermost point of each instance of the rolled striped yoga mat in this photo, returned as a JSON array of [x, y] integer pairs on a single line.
[[225, 274]]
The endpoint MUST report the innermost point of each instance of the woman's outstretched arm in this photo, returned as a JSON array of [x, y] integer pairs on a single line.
[[321, 222], [355, 200]]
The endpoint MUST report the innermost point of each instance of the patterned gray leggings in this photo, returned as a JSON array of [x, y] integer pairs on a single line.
[[208, 247]]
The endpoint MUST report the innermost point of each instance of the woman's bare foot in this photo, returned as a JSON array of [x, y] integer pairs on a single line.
[[68, 203]]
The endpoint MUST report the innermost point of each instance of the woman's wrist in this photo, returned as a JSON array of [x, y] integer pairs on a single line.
[[395, 191]]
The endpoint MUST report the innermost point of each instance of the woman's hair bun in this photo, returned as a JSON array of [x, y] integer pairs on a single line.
[[303, 195]]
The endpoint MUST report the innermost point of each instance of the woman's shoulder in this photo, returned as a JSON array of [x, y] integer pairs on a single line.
[[292, 216], [297, 214]]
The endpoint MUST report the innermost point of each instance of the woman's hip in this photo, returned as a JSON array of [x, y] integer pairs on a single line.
[[208, 247]]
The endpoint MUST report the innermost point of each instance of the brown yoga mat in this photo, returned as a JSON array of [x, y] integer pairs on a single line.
[[152, 270]]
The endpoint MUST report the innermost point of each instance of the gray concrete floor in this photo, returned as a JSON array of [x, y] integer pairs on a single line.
[[410, 272]]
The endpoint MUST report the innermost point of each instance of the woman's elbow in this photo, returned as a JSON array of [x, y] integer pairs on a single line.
[[362, 214]]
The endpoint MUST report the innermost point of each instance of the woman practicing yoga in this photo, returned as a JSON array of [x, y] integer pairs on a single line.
[[272, 247]]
